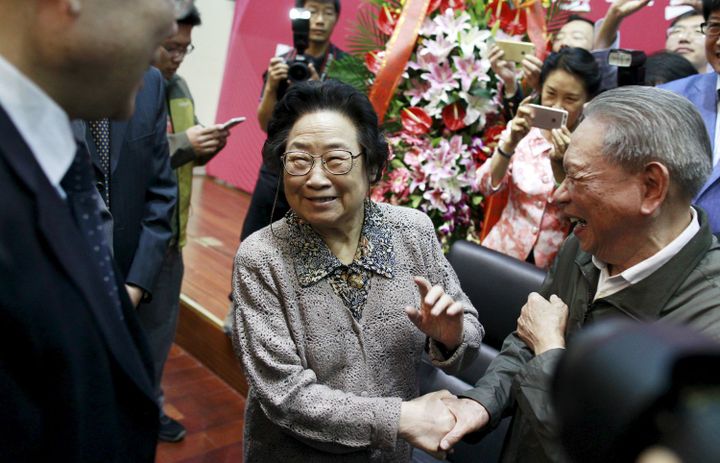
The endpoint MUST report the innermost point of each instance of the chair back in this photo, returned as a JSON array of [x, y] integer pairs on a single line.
[[497, 285]]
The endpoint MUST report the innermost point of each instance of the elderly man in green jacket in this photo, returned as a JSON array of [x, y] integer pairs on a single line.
[[638, 250]]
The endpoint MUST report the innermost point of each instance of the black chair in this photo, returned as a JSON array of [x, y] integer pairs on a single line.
[[497, 285]]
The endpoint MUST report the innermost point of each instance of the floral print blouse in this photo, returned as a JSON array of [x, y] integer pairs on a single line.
[[314, 261], [530, 221]]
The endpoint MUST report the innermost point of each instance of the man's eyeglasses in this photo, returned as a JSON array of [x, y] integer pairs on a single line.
[[710, 29], [179, 51], [336, 162], [677, 31]]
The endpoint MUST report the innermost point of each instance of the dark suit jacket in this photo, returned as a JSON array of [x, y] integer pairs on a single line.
[[701, 90], [143, 189], [75, 379]]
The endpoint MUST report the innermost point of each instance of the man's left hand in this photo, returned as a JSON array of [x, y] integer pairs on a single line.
[[135, 294], [542, 323]]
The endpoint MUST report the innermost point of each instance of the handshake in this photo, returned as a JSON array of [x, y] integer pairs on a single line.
[[437, 421]]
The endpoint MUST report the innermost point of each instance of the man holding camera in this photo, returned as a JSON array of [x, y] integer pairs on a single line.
[[319, 54]]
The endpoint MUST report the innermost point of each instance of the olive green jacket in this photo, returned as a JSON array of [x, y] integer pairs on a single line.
[[181, 111], [686, 290]]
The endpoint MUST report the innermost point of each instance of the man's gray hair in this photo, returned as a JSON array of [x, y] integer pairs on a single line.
[[646, 124]]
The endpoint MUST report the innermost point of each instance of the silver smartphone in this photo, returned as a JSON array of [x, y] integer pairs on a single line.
[[514, 50], [544, 117], [232, 123]]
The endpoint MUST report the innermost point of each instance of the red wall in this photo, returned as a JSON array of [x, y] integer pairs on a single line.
[[259, 25], [645, 30]]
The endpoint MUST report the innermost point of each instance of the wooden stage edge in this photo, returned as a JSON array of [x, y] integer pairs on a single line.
[[201, 334], [216, 216]]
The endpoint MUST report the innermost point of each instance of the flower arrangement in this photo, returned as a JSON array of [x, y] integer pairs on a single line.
[[445, 116]]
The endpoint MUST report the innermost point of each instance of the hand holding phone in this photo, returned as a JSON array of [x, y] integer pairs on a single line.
[[544, 117], [232, 123], [514, 50]]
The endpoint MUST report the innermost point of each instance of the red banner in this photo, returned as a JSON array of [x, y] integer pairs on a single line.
[[398, 51]]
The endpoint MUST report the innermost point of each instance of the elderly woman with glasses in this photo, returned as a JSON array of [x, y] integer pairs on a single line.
[[335, 304]]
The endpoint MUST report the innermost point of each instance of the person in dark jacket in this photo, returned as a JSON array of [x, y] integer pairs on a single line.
[[75, 370], [639, 250]]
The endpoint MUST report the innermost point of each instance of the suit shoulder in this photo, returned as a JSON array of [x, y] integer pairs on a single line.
[[683, 86], [153, 76]]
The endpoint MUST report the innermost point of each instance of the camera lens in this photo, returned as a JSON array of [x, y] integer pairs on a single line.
[[298, 71]]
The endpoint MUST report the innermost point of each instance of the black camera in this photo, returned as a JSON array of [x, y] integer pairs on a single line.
[[298, 70], [620, 67], [630, 66]]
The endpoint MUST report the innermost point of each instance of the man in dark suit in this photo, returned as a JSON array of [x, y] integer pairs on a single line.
[[75, 374], [131, 162], [139, 187]]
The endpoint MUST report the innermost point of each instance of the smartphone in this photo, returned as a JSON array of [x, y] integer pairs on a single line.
[[544, 117], [514, 50], [232, 122]]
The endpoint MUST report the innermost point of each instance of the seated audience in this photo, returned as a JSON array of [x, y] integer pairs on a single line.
[[638, 251], [666, 66], [335, 303], [530, 226], [701, 90]]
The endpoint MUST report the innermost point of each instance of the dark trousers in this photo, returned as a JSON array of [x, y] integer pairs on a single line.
[[159, 316]]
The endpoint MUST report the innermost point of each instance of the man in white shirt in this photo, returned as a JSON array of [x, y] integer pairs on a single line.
[[75, 375], [638, 250]]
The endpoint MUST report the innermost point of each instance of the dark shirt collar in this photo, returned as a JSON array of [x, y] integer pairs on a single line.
[[314, 260], [646, 299]]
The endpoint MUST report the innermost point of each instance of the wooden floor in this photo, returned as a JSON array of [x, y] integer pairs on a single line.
[[217, 213], [210, 409]]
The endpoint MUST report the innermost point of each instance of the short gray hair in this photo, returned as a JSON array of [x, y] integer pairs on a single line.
[[646, 124]]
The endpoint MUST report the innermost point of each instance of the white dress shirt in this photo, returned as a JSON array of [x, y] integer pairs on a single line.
[[716, 142], [43, 124], [608, 285]]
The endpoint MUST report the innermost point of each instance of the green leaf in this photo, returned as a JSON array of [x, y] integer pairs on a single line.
[[352, 71], [482, 92], [397, 163], [415, 201], [476, 200], [365, 35]]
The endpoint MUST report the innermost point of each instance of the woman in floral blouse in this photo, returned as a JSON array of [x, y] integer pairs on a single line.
[[528, 160], [335, 304]]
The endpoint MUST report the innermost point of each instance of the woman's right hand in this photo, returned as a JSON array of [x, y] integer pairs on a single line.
[[519, 126], [504, 70], [560, 142], [426, 420]]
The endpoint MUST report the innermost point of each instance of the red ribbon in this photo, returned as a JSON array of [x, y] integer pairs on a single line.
[[397, 52]]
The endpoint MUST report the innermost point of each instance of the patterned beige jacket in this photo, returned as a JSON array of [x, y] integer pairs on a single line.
[[326, 386]]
